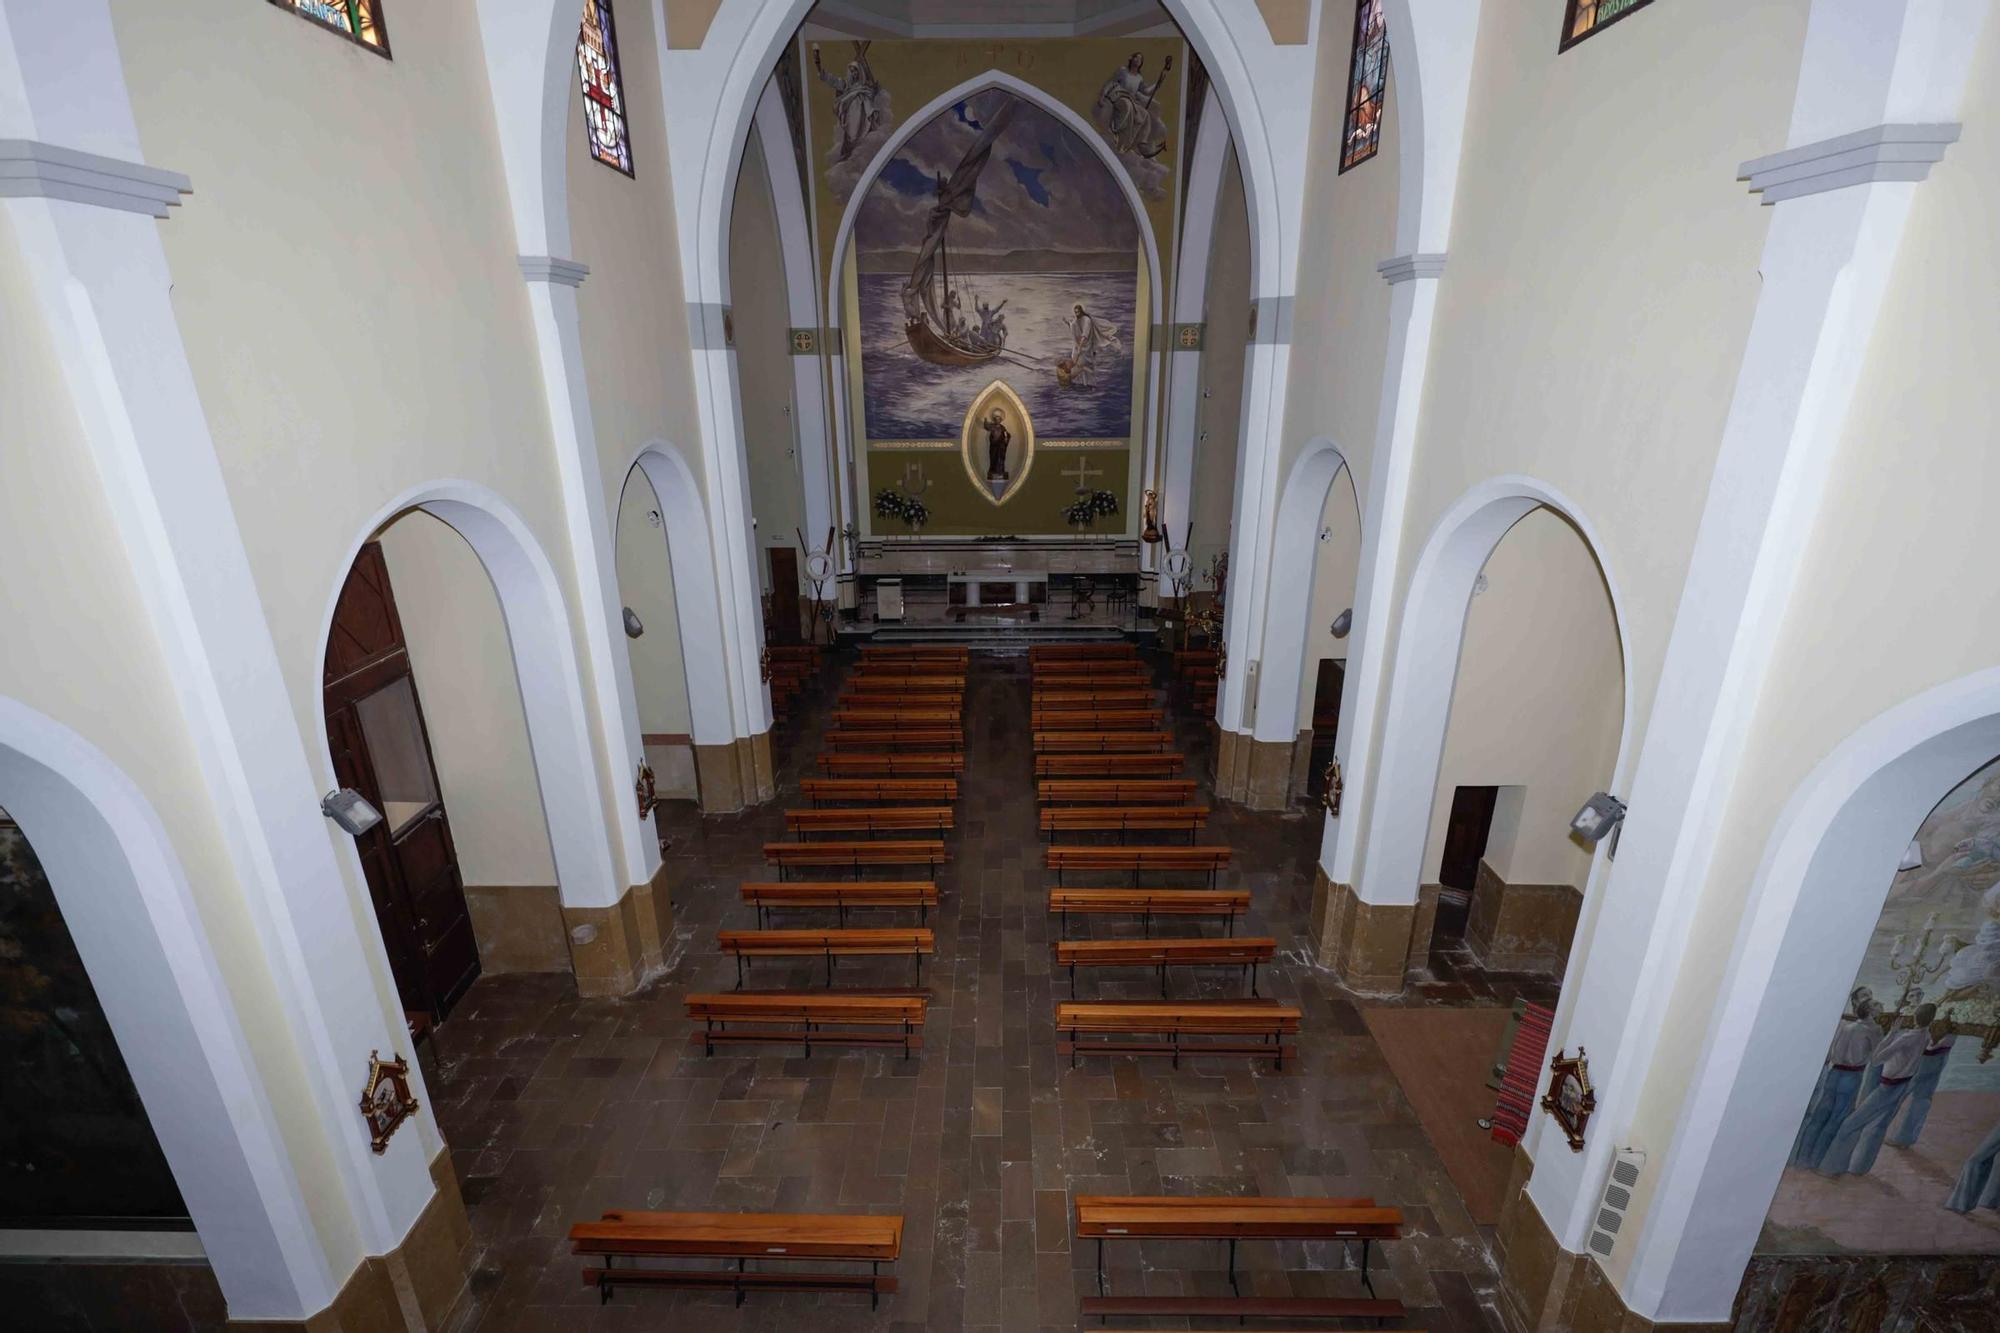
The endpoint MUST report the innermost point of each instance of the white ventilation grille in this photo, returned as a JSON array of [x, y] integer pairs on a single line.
[[1617, 1198]]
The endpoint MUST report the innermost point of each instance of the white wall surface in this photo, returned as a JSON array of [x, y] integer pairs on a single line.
[[1219, 416], [764, 362], [1538, 700], [471, 699], [1335, 559], [646, 581]]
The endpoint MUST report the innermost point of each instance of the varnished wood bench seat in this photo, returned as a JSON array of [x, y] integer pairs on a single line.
[[1187, 657], [1123, 819], [894, 764], [1101, 742], [876, 819], [1164, 764], [1090, 675], [1256, 1028], [1052, 700], [914, 652], [808, 1017], [902, 717], [839, 894], [1251, 1307], [898, 686], [632, 1235], [891, 791], [1099, 719], [927, 668], [1115, 791], [1250, 951], [1193, 1217], [1149, 903], [905, 941], [1070, 652], [926, 852], [1169, 859], [894, 738]]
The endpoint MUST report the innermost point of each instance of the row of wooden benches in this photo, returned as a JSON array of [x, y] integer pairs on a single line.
[[627, 1246], [1055, 820], [930, 854], [1050, 791], [843, 895], [951, 763], [950, 738]]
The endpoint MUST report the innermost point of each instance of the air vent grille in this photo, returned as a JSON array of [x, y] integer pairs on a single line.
[[1625, 1171]]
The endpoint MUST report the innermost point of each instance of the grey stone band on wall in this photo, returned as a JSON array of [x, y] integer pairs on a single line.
[[1402, 268], [1883, 153], [30, 169], [548, 268]]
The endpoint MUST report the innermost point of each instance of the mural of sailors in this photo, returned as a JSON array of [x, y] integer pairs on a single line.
[[1979, 1183], [1847, 1060], [1860, 1135]]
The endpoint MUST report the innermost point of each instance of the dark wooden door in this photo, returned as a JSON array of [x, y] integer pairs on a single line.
[[381, 748], [1465, 836], [784, 626], [1325, 721]]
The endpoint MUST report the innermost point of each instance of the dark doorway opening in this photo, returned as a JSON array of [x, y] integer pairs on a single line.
[[375, 729], [1465, 836], [781, 622], [1325, 722]]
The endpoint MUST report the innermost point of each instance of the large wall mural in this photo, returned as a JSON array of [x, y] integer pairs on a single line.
[[1899, 1150], [997, 302]]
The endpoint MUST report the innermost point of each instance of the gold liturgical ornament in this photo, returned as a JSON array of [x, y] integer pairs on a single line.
[[997, 442]]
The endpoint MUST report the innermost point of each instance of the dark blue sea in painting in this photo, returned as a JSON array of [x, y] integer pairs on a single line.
[[910, 399]]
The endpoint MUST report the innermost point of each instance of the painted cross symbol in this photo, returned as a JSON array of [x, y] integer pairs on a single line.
[[914, 480], [1083, 472]]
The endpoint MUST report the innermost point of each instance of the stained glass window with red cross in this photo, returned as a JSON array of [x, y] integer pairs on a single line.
[[603, 89], [1367, 77]]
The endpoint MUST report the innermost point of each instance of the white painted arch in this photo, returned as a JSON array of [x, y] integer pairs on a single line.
[[545, 666], [685, 530], [1819, 890], [1426, 667], [126, 900], [1294, 547]]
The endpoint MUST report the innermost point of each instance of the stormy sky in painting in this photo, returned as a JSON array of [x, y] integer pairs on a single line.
[[1044, 190]]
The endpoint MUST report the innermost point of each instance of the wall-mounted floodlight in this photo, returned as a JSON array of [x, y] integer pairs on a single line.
[[350, 809], [1602, 813], [1913, 857], [634, 626], [1343, 622]]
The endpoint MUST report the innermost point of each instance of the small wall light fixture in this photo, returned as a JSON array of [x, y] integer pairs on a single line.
[[1602, 813], [1913, 857], [634, 626], [350, 809], [1343, 622]]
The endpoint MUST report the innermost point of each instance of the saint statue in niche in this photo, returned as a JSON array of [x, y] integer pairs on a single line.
[[997, 439]]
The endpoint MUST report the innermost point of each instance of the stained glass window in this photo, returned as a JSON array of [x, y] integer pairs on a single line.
[[603, 89], [1366, 76], [1583, 17], [360, 20]]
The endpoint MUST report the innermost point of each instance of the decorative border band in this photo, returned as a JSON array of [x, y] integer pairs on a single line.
[[32, 169]]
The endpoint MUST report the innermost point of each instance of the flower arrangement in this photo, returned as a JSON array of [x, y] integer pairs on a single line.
[[895, 504], [1089, 508]]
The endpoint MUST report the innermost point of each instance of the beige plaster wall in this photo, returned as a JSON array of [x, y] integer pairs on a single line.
[[1218, 423], [1903, 545], [646, 582], [77, 646], [471, 698], [1537, 704], [1336, 560], [764, 364]]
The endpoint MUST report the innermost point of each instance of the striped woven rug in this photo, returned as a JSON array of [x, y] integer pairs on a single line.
[[1515, 1101]]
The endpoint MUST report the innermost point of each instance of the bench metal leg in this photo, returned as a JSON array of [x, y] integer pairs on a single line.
[[875, 1284], [708, 1036], [739, 971], [1072, 981], [1232, 1267], [1146, 922], [829, 967], [1365, 1280], [1253, 978], [916, 969], [1163, 981], [1100, 1265]]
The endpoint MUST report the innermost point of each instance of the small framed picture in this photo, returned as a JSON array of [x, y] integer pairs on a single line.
[[385, 1100], [1570, 1098]]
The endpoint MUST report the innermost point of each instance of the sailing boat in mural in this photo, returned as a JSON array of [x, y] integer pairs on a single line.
[[934, 318]]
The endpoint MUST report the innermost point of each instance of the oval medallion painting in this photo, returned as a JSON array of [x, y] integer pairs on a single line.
[[997, 442]]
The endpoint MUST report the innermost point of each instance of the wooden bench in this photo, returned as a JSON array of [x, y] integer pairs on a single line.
[[807, 1018], [1069, 652], [948, 765], [927, 852], [1091, 675], [1065, 701], [923, 668], [1149, 903], [897, 687], [883, 791], [631, 1235], [1075, 860], [1167, 1024], [874, 653], [1164, 764], [1103, 1217], [1124, 819], [1101, 719], [1100, 742], [898, 717], [882, 819], [911, 941], [1250, 951], [1191, 657], [839, 895], [894, 738], [1115, 791]]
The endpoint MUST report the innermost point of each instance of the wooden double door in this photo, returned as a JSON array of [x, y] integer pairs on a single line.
[[381, 748]]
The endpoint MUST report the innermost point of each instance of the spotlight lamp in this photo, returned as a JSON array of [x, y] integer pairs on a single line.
[[1913, 857], [634, 626], [350, 809], [1343, 622], [1602, 813]]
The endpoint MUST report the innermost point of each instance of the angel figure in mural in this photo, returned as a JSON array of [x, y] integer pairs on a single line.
[[1090, 339], [860, 107], [1125, 108], [1963, 850]]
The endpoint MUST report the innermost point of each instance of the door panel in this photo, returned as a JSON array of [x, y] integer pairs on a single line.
[[784, 626], [1465, 836]]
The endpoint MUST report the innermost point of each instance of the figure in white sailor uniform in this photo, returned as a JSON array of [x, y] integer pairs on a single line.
[[1853, 1044], [1917, 1108], [1860, 1135], [1979, 1181]]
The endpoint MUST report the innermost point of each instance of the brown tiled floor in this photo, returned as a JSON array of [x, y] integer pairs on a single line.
[[558, 1108]]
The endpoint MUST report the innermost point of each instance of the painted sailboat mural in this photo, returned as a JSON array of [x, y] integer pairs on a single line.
[[934, 310]]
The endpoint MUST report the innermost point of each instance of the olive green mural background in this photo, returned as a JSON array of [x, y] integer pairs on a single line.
[[958, 509]]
